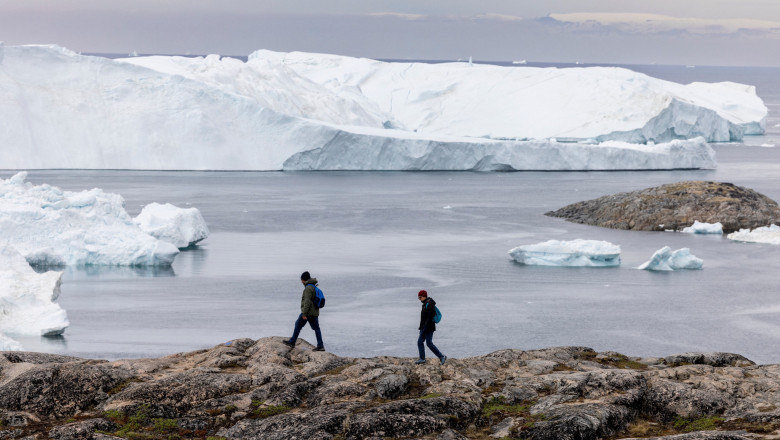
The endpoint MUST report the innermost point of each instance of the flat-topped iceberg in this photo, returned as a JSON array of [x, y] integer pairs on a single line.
[[277, 112], [666, 260], [498, 102], [26, 300], [181, 227], [577, 252], [704, 228], [49, 226], [765, 234]]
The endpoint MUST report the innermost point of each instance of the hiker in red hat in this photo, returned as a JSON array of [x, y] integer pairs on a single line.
[[429, 316]]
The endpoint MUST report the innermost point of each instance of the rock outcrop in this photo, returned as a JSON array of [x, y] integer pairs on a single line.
[[676, 206], [246, 389]]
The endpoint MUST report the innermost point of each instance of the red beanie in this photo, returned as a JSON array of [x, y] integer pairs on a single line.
[[422, 293]]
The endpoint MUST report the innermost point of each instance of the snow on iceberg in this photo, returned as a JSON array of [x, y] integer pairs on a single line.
[[181, 227], [604, 103], [26, 300], [704, 228], [665, 259], [568, 253], [764, 234], [271, 114], [49, 226]]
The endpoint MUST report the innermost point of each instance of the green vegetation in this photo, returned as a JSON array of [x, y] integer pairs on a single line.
[[616, 360], [431, 396], [230, 408], [261, 411], [164, 425], [702, 424]]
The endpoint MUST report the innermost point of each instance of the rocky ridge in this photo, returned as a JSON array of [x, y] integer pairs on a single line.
[[675, 206], [247, 389]]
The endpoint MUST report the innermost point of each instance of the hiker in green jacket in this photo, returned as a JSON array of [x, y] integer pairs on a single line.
[[309, 313]]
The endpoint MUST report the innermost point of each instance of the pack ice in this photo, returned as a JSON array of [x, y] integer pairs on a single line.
[[664, 259], [49, 226], [324, 112], [577, 252], [26, 300]]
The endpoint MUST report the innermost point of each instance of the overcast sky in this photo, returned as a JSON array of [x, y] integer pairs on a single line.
[[701, 32]]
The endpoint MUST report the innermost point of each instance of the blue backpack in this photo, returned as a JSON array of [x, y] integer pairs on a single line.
[[436, 315], [319, 297]]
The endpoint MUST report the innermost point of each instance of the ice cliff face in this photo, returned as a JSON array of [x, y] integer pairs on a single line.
[[305, 111]]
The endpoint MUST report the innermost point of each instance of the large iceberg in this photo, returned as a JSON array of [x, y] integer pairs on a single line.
[[481, 100], [26, 300], [181, 227], [577, 252], [765, 234], [49, 226], [665, 259], [305, 111]]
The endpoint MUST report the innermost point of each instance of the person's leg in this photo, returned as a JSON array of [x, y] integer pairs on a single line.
[[420, 346], [314, 322], [429, 343], [299, 323]]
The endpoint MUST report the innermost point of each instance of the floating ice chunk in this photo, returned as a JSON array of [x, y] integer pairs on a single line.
[[181, 227], [49, 226], [665, 259], [764, 234], [26, 300], [8, 344], [704, 228], [568, 253]]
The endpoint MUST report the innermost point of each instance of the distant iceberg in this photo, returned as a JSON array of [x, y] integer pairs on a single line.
[[704, 228], [765, 234], [297, 111], [666, 260], [182, 227], [577, 252], [49, 226], [26, 300]]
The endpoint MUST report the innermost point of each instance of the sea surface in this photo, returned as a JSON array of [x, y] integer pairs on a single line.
[[373, 239]]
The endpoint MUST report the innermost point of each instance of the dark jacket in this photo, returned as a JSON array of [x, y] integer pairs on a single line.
[[427, 314], [307, 306]]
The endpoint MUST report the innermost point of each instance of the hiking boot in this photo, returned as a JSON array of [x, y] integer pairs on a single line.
[[288, 343], [420, 361], [443, 359], [319, 349]]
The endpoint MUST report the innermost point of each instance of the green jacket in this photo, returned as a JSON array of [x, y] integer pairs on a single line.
[[307, 306]]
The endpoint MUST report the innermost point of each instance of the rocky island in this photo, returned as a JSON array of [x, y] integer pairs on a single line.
[[675, 206], [262, 389]]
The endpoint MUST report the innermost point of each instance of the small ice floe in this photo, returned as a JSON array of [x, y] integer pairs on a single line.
[[768, 145], [704, 228], [665, 259], [764, 234], [579, 252], [182, 227], [27, 305], [446, 207]]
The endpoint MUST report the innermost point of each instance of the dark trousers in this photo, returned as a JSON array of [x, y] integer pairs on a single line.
[[314, 323], [427, 337]]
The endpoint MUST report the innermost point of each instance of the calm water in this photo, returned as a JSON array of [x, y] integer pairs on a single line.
[[375, 239]]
